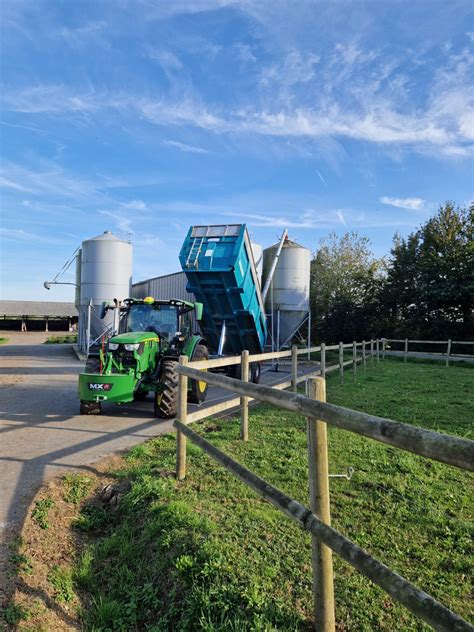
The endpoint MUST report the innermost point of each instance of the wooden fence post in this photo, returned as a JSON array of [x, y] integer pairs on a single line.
[[448, 352], [294, 368], [364, 360], [371, 351], [341, 363], [323, 583], [405, 358], [182, 414], [354, 358], [377, 347], [384, 342], [244, 401], [323, 360]]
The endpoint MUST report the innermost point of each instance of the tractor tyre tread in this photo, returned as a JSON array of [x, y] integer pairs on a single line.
[[167, 406], [90, 408]]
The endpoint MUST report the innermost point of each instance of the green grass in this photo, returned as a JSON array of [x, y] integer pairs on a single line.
[[64, 339], [208, 554], [4, 340], [76, 487], [40, 512]]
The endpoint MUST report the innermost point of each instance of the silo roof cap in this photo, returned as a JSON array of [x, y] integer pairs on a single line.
[[289, 243], [107, 235]]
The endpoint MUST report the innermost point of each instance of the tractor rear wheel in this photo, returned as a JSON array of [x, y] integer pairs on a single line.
[[166, 400], [198, 390], [90, 408], [255, 370]]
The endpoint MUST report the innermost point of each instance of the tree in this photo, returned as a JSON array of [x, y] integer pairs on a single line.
[[346, 281], [430, 282]]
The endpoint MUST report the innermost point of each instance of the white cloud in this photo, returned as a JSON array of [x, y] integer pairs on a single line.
[[167, 60], [192, 149], [137, 205], [412, 204], [341, 218]]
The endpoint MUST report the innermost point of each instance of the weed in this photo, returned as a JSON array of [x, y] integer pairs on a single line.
[[76, 487], [40, 512], [60, 578], [21, 563], [4, 340], [13, 613]]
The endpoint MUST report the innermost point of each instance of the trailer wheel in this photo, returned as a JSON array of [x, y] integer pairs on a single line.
[[90, 408], [198, 390], [255, 370], [166, 400]]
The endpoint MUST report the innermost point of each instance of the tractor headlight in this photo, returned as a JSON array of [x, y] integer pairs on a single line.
[[113, 346], [132, 347]]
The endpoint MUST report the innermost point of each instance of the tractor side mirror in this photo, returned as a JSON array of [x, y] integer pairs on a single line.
[[199, 309]]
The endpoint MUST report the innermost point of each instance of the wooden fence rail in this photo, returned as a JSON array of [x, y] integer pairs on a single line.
[[400, 589], [448, 355]]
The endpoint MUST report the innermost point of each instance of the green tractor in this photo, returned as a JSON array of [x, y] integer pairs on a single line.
[[143, 357]]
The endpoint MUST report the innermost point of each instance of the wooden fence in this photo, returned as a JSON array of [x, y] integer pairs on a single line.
[[442, 355], [316, 519]]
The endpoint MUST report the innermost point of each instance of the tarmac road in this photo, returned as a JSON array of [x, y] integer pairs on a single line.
[[41, 432]]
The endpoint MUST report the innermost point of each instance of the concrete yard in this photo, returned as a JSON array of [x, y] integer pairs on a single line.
[[42, 433]]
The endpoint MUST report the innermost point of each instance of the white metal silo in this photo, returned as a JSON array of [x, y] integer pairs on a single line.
[[106, 274], [288, 297]]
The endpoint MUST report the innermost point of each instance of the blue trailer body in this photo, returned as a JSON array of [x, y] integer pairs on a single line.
[[221, 273]]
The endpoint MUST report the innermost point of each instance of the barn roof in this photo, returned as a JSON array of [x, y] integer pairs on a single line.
[[37, 308]]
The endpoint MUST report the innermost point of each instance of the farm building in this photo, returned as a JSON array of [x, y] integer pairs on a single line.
[[38, 315]]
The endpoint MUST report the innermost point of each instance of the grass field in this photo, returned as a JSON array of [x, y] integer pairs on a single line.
[[208, 554], [62, 339]]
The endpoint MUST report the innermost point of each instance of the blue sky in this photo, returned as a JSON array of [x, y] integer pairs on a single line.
[[145, 116]]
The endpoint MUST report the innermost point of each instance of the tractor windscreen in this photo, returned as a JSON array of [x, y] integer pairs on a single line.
[[160, 319]]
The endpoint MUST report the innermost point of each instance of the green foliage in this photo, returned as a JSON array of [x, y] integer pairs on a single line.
[[76, 487], [425, 290], [61, 579], [21, 563], [65, 339], [345, 281], [13, 613], [3, 340], [41, 511], [92, 517], [430, 284], [209, 554]]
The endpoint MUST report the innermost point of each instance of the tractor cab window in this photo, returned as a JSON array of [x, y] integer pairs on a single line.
[[160, 319]]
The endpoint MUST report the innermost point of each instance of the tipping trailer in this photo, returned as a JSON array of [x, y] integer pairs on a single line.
[[220, 268]]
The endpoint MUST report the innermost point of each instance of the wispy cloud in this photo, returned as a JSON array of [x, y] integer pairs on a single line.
[[191, 149], [341, 218], [410, 203], [321, 178]]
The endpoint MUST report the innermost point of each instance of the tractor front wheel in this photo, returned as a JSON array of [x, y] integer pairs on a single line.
[[90, 408], [166, 399], [198, 390]]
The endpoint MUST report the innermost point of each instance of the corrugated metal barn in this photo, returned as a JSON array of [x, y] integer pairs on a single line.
[[164, 288], [45, 315]]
